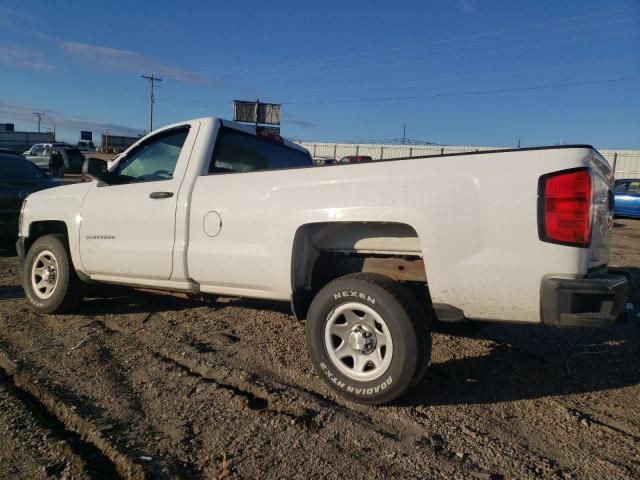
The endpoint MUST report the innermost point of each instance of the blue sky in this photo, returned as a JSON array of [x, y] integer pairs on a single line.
[[454, 71]]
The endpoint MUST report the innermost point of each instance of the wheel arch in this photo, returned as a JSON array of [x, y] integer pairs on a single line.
[[40, 228], [324, 251]]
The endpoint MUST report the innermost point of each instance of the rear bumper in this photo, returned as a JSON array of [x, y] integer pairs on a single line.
[[594, 301]]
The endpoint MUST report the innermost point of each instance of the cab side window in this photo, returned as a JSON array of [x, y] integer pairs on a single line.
[[155, 159], [238, 151], [634, 187]]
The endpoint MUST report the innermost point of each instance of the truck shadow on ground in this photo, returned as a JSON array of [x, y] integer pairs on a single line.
[[535, 362], [528, 362], [114, 300]]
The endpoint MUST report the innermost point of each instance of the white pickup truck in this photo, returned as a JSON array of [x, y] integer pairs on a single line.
[[368, 253]]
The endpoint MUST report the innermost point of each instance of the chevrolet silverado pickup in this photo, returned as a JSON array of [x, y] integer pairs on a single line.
[[369, 254]]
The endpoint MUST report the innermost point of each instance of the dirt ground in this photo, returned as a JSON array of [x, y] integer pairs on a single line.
[[139, 385]]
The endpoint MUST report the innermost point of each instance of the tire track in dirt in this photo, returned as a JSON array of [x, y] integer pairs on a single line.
[[101, 459], [260, 388], [310, 410], [442, 436], [263, 384], [279, 399], [81, 413]]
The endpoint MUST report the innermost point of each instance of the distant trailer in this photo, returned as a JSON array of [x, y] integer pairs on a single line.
[[116, 143], [21, 141]]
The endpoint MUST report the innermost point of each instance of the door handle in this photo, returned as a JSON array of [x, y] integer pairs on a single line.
[[157, 195]]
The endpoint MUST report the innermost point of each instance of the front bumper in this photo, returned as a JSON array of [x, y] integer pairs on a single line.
[[597, 300], [20, 248]]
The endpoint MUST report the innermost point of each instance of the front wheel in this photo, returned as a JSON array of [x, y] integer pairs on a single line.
[[49, 280], [368, 338]]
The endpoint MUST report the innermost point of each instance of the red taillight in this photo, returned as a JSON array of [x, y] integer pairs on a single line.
[[564, 207]]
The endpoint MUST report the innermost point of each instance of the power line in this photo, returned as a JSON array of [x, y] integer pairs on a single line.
[[467, 93], [195, 103], [441, 58], [420, 44], [306, 68], [213, 102], [153, 80], [470, 77]]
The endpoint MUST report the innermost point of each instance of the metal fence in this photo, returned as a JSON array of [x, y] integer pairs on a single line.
[[626, 163]]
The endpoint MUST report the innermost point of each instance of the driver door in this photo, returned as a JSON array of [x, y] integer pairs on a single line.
[[127, 227]]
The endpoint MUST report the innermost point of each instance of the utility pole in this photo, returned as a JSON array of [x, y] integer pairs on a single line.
[[153, 80], [404, 132], [39, 115]]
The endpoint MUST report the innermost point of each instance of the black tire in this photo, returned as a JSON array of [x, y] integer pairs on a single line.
[[67, 292], [408, 327]]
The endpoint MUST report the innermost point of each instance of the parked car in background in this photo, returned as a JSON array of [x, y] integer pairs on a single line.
[[86, 146], [9, 151], [356, 159], [40, 153], [325, 161], [18, 179], [627, 197]]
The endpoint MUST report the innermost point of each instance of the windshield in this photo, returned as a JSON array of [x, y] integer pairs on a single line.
[[19, 169]]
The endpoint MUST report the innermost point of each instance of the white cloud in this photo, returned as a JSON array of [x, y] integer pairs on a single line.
[[24, 58], [62, 120], [7, 13], [100, 57], [122, 60]]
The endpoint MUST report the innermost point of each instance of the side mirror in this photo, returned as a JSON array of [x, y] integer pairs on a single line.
[[95, 168]]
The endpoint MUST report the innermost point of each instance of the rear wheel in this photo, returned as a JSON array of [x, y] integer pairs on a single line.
[[49, 280], [368, 338]]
